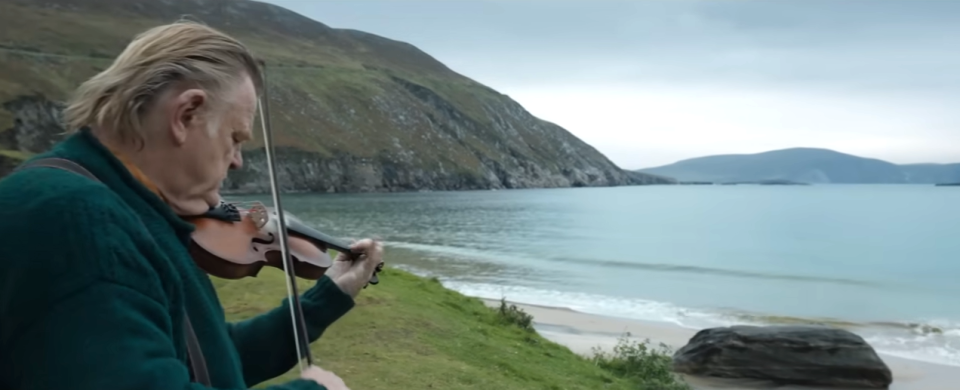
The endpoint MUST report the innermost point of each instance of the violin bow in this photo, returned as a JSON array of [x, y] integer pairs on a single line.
[[296, 311]]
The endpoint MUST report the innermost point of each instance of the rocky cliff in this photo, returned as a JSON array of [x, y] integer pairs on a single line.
[[351, 111]]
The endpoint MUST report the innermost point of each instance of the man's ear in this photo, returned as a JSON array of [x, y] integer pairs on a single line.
[[188, 106]]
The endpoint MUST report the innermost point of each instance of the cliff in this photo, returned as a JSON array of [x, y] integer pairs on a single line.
[[351, 111]]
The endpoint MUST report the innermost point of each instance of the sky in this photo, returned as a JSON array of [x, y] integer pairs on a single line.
[[651, 82]]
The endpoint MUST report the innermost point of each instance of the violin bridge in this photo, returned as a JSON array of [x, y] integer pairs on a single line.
[[258, 214]]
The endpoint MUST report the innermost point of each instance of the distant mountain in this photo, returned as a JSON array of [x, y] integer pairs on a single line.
[[807, 165]]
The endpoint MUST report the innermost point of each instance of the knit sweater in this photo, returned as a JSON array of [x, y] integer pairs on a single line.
[[94, 280]]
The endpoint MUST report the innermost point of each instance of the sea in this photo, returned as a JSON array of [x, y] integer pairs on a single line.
[[882, 261]]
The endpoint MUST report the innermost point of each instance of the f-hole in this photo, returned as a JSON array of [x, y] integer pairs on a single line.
[[262, 241]]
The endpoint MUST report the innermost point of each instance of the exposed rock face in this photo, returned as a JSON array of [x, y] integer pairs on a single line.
[[506, 160], [36, 124], [799, 355]]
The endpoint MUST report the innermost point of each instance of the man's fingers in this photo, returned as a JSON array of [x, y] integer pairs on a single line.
[[357, 244], [366, 244]]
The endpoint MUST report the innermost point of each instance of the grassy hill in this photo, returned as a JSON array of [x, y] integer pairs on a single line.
[[352, 111], [806, 165], [412, 333]]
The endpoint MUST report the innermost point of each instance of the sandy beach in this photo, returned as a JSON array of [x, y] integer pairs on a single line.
[[581, 332]]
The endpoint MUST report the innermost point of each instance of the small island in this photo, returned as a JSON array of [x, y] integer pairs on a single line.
[[772, 182], [948, 184]]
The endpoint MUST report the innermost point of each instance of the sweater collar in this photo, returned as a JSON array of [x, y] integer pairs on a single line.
[[136, 172], [125, 179]]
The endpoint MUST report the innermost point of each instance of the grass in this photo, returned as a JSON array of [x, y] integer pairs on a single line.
[[648, 367], [15, 154], [410, 332]]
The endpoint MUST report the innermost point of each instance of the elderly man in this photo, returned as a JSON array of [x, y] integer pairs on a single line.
[[95, 277]]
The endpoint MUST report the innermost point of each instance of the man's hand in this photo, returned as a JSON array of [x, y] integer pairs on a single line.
[[324, 378], [351, 275]]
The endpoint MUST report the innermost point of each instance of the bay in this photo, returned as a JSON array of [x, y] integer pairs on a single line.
[[878, 259]]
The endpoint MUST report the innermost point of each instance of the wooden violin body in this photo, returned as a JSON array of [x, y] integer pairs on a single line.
[[233, 242]]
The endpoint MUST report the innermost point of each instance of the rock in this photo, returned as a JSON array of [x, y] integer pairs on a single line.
[[36, 123], [797, 355]]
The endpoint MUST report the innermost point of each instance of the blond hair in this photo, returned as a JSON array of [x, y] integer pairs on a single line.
[[182, 52]]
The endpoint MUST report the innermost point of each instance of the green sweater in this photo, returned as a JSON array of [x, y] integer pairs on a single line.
[[92, 299]]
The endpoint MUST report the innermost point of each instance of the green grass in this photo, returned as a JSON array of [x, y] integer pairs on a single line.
[[15, 154], [410, 332], [648, 367]]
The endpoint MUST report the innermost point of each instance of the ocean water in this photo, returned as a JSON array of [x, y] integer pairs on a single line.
[[880, 260]]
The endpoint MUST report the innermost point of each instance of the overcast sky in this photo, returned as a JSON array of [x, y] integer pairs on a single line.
[[650, 82]]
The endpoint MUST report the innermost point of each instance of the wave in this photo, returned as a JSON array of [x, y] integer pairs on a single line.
[[932, 341], [723, 272], [486, 254]]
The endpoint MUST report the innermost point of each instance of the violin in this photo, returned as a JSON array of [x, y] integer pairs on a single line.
[[233, 242]]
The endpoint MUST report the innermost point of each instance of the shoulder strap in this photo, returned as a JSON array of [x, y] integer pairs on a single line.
[[62, 163], [198, 364], [197, 361]]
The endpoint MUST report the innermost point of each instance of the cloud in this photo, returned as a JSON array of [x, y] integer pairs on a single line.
[[650, 82]]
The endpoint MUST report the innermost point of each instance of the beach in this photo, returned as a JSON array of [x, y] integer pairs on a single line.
[[581, 332]]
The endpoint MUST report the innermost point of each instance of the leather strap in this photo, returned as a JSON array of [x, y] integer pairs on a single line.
[[62, 163], [195, 354], [198, 365]]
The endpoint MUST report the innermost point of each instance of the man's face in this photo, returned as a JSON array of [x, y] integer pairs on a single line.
[[208, 137]]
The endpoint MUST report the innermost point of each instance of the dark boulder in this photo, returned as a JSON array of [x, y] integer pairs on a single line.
[[785, 355]]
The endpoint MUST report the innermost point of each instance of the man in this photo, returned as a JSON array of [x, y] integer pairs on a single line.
[[95, 276]]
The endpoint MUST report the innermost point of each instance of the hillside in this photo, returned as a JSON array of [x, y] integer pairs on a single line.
[[412, 333], [352, 111], [806, 165]]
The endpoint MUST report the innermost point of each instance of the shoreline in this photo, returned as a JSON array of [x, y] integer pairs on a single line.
[[581, 332], [929, 341]]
